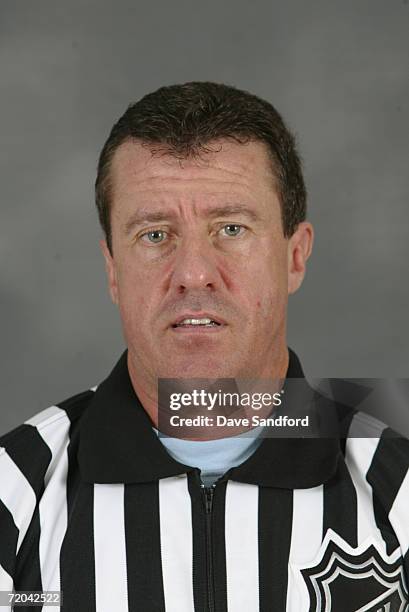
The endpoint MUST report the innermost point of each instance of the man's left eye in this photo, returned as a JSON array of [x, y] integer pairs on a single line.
[[232, 230]]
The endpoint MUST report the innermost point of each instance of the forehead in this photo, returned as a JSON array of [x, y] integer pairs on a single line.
[[225, 166]]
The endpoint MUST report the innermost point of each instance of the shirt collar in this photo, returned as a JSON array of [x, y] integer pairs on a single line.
[[117, 443]]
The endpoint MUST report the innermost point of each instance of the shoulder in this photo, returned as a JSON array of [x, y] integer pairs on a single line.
[[367, 442], [31, 452], [52, 420], [378, 460], [34, 456], [375, 444]]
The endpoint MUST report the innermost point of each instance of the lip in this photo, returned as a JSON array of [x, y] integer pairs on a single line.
[[198, 328]]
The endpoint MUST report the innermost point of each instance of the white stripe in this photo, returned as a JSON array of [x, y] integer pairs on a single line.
[[306, 540], [44, 416], [242, 553], [359, 453], [16, 494], [175, 512], [398, 515], [306, 533], [111, 586], [53, 503]]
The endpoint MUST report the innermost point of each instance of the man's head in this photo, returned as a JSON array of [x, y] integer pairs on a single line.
[[183, 119], [202, 201]]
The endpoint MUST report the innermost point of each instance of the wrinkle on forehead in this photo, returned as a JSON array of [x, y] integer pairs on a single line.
[[231, 164]]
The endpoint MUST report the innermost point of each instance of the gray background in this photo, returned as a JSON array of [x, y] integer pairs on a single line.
[[338, 71]]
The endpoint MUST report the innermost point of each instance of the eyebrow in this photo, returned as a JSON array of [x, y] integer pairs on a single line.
[[233, 209], [143, 216]]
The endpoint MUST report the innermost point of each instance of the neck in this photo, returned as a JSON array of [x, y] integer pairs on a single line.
[[147, 391]]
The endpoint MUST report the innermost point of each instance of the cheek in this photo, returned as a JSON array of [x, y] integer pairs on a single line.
[[271, 302], [260, 290], [134, 314], [268, 293], [134, 294]]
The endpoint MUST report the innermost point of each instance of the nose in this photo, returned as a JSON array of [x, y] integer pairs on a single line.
[[195, 266]]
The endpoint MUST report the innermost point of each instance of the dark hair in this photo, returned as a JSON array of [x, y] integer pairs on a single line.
[[183, 119]]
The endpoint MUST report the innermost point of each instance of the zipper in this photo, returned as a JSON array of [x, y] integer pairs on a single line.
[[208, 493]]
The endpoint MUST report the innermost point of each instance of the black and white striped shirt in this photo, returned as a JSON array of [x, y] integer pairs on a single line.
[[92, 504]]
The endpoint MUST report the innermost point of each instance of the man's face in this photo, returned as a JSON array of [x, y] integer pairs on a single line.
[[201, 239]]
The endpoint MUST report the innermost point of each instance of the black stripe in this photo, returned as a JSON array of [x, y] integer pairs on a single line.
[[28, 571], [142, 536], [384, 526], [30, 453], [73, 475], [8, 540], [388, 468], [201, 580], [275, 526], [77, 563], [219, 546], [340, 506], [385, 475], [74, 408]]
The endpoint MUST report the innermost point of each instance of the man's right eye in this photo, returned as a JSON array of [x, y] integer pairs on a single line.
[[154, 236]]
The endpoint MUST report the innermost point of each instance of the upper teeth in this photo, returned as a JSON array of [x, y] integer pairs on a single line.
[[196, 322]]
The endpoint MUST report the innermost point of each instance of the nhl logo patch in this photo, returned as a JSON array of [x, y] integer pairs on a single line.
[[364, 579]]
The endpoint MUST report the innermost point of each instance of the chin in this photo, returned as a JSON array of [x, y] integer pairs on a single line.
[[192, 369]]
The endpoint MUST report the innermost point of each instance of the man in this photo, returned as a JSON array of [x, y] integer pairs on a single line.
[[202, 202]]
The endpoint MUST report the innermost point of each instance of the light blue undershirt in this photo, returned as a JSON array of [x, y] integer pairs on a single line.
[[213, 457]]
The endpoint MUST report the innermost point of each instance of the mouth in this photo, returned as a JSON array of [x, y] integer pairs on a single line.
[[197, 323]]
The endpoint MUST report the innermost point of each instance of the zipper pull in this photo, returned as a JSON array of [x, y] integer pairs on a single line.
[[208, 492]]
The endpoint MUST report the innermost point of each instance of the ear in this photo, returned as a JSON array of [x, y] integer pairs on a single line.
[[299, 250], [110, 270]]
